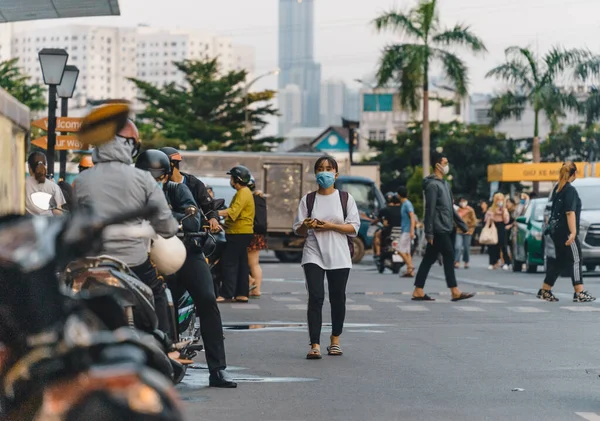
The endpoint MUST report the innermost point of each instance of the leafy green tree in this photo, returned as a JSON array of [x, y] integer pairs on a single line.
[[19, 85], [573, 144], [407, 65], [469, 148], [534, 82], [208, 109]]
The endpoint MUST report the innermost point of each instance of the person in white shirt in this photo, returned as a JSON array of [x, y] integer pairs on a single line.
[[37, 182], [327, 218]]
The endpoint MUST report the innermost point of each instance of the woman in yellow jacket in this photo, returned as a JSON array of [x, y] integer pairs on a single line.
[[239, 228]]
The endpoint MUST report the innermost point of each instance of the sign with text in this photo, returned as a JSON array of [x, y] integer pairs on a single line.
[[63, 124], [63, 143], [545, 171]]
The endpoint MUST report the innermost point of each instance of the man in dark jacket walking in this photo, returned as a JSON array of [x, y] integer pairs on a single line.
[[440, 217]]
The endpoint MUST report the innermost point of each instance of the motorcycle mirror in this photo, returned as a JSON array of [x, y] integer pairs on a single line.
[[191, 211], [41, 200], [102, 124]]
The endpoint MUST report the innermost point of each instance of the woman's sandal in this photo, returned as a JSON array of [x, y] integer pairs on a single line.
[[410, 273], [314, 354], [334, 349]]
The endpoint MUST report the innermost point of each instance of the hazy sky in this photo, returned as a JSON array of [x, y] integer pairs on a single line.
[[346, 44]]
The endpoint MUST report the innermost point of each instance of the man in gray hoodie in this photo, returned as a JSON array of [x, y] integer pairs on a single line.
[[440, 217], [113, 186]]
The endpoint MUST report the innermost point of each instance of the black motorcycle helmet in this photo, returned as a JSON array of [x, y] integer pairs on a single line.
[[252, 183], [240, 174], [389, 197], [154, 161], [174, 156]]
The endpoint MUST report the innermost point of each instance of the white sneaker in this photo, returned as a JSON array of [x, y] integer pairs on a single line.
[[491, 267], [506, 267]]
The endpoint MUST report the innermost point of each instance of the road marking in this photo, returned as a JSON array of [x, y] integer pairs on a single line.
[[486, 301], [359, 307], [348, 300], [387, 300], [581, 308], [590, 416], [297, 306], [287, 299], [441, 301], [469, 308], [413, 308], [527, 310], [245, 306]]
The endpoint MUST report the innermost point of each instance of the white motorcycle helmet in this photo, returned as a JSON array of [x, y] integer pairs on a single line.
[[167, 254]]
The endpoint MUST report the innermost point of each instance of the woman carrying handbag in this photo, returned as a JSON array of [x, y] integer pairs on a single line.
[[498, 216]]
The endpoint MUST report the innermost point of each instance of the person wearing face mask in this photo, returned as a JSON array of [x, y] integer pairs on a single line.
[[440, 218], [498, 214], [563, 228], [522, 205], [328, 219], [462, 247], [113, 187], [239, 228]]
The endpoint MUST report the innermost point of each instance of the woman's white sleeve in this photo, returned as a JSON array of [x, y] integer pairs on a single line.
[[301, 215], [353, 217]]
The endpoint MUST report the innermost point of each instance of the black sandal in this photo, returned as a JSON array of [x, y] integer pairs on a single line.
[[464, 296], [423, 298]]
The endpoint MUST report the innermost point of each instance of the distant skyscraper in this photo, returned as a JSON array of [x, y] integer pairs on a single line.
[[333, 98], [296, 56], [290, 107]]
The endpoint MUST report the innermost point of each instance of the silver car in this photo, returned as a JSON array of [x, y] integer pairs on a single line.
[[589, 224]]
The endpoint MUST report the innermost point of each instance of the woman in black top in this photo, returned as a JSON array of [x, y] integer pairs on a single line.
[[563, 226]]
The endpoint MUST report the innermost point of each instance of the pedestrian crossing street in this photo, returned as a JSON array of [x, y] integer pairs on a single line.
[[517, 304]]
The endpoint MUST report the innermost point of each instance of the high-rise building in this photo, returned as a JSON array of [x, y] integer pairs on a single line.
[[296, 56], [108, 56], [333, 98], [290, 107]]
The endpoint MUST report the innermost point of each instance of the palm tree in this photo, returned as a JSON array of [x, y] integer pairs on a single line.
[[407, 64], [533, 82]]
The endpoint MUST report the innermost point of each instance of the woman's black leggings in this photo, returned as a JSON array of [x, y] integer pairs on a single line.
[[568, 260], [495, 249], [315, 284]]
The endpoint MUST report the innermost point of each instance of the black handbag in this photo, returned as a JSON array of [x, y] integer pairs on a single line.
[[554, 219]]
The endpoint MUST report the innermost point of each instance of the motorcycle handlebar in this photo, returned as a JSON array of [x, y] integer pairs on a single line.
[[192, 234]]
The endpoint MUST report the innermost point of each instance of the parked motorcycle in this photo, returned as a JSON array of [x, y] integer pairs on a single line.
[[63, 358], [389, 256]]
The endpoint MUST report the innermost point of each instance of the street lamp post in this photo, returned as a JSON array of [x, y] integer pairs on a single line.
[[65, 92], [247, 124], [52, 62]]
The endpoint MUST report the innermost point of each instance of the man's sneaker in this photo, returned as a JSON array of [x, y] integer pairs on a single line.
[[583, 297], [546, 295]]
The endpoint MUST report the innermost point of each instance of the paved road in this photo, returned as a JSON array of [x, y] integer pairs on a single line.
[[410, 361]]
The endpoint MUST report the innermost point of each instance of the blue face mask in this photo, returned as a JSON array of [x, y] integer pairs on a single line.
[[325, 179], [159, 184]]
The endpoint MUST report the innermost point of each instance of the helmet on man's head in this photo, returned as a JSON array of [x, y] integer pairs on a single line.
[[240, 174], [131, 136], [154, 161], [252, 183], [85, 163], [389, 197], [172, 153]]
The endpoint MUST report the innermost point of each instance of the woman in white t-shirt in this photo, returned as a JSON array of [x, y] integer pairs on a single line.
[[37, 182], [326, 252]]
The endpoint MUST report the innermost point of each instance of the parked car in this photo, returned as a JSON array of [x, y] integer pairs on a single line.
[[589, 224], [527, 237]]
